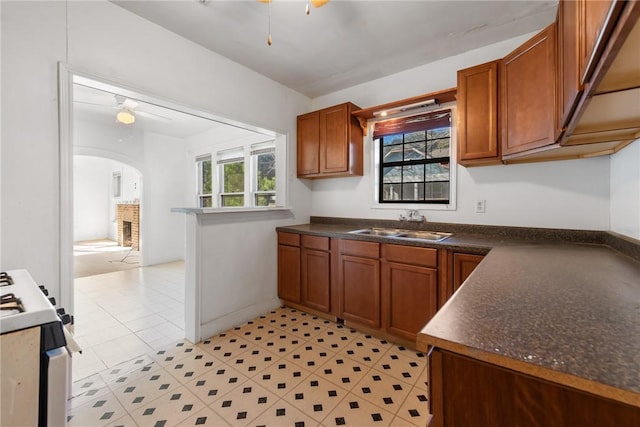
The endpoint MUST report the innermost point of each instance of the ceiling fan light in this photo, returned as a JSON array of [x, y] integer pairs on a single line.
[[125, 117], [318, 3]]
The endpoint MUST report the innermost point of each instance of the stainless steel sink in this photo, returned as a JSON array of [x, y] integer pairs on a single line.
[[433, 236], [386, 232]]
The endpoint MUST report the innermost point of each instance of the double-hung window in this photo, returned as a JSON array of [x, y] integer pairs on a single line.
[[415, 159], [263, 161], [204, 183], [231, 177], [249, 174]]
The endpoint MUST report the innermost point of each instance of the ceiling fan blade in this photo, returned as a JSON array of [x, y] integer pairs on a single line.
[[95, 104], [151, 115]]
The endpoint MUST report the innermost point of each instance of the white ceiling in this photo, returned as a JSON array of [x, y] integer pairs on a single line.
[[343, 43]]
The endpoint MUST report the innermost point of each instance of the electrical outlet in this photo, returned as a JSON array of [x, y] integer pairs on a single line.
[[480, 205]]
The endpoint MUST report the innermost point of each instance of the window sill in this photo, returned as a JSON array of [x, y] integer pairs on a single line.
[[234, 211], [414, 206]]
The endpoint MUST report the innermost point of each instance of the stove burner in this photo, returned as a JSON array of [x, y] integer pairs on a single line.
[[5, 279], [10, 304]]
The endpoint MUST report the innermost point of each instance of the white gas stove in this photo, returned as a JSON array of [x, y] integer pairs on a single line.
[[28, 306], [35, 365]]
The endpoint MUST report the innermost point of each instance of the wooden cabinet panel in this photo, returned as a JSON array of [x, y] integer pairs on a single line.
[[316, 279], [334, 137], [597, 19], [425, 257], [363, 249], [329, 143], [315, 242], [464, 390], [289, 273], [570, 87], [409, 298], [309, 144], [360, 290], [291, 239], [528, 94], [478, 141], [463, 265]]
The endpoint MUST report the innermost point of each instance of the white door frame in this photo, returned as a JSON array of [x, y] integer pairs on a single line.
[[66, 76]]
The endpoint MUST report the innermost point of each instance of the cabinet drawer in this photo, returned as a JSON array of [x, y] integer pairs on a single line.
[[291, 239], [357, 248], [315, 242], [425, 257]]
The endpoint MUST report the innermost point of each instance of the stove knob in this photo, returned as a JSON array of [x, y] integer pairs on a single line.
[[65, 318], [60, 311], [44, 290], [52, 300]]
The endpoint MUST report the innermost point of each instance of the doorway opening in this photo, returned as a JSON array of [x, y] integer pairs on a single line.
[[161, 141]]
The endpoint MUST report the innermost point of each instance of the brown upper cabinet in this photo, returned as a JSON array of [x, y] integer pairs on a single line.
[[569, 92], [596, 19], [528, 89], [329, 143], [478, 115], [569, 71]]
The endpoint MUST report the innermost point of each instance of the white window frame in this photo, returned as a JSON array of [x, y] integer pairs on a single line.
[[244, 148], [453, 181], [234, 155], [255, 151], [116, 183], [200, 196]]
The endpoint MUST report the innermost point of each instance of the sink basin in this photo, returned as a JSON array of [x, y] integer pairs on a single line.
[[433, 236], [386, 232]]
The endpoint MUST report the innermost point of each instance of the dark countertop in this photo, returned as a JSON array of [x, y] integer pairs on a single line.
[[565, 312]]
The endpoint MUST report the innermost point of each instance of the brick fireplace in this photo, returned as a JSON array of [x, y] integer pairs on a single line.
[[129, 225]]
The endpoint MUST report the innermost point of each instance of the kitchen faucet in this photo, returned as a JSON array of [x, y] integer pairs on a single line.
[[413, 215]]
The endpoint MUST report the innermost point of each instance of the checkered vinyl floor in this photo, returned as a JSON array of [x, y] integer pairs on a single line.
[[286, 368]]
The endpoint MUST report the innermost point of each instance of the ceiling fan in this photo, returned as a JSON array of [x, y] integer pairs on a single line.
[[127, 110], [315, 3]]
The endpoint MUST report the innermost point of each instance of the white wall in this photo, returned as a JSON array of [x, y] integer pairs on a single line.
[[567, 194], [154, 61], [91, 197], [625, 191], [94, 208], [163, 232]]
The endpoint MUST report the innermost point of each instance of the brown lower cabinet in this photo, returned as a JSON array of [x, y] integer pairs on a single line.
[[466, 392], [359, 282], [289, 266], [316, 272], [463, 265], [409, 289], [394, 289]]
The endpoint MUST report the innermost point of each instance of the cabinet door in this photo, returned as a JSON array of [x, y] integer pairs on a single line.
[[528, 94], [316, 279], [334, 139], [360, 290], [568, 60], [478, 114], [463, 265], [597, 19], [289, 273], [308, 144], [409, 298]]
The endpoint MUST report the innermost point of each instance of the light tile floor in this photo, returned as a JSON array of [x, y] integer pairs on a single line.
[[92, 257], [286, 368], [122, 314]]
